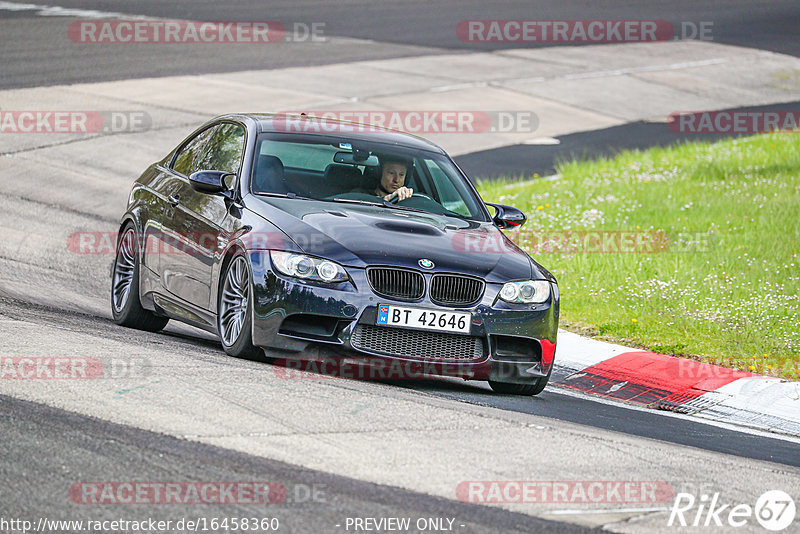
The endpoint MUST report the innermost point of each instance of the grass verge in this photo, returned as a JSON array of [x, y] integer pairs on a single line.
[[691, 250]]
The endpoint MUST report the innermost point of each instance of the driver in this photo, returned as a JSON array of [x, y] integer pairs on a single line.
[[393, 175]]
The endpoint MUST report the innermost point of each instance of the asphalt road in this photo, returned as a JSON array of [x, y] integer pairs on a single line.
[[522, 161], [54, 450], [37, 50]]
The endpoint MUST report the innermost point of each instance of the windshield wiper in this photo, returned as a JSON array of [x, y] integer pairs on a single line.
[[282, 195], [382, 204], [405, 208], [353, 201]]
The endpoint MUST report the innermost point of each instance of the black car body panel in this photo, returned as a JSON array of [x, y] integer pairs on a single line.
[[364, 235]]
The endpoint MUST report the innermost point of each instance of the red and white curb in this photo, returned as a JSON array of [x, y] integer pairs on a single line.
[[677, 384]]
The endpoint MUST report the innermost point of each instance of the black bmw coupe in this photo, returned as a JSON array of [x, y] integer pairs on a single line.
[[289, 236]]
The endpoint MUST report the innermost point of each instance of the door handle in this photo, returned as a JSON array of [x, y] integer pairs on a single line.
[[174, 200]]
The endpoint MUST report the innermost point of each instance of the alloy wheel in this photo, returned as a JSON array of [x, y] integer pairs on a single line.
[[124, 269], [234, 301]]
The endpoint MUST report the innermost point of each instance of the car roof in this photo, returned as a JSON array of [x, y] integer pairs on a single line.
[[266, 123]]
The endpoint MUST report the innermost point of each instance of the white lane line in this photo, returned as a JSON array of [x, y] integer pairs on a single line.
[[457, 86], [542, 141], [557, 389], [607, 511], [762, 401], [733, 425], [57, 11], [648, 68], [579, 75]]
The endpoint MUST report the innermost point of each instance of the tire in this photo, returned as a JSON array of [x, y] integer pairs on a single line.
[[234, 311], [126, 308], [532, 388]]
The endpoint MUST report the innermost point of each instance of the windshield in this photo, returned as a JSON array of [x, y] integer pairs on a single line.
[[346, 171]]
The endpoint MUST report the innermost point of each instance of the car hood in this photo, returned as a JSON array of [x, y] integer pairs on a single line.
[[361, 235]]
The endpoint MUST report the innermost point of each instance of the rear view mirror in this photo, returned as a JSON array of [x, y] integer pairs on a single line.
[[507, 216], [210, 182], [355, 158]]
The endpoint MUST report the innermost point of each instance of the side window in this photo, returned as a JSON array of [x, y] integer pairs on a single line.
[[305, 156], [188, 154], [448, 194], [224, 150]]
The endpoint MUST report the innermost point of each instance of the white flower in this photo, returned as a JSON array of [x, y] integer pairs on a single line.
[[591, 217]]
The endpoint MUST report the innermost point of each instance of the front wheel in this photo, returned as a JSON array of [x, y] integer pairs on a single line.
[[234, 317], [126, 308]]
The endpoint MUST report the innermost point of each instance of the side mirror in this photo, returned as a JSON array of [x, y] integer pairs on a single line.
[[507, 216], [211, 182]]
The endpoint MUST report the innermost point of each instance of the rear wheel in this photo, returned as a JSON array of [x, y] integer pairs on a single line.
[[126, 307], [234, 317], [532, 388]]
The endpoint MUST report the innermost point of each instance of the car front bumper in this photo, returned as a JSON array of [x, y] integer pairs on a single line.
[[298, 319]]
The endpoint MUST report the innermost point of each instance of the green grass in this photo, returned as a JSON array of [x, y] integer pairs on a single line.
[[722, 283]]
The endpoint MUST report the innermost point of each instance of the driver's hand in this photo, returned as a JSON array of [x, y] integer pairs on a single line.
[[401, 194]]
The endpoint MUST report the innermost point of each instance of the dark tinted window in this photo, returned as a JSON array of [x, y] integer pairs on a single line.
[[328, 169], [224, 150], [305, 156], [188, 154]]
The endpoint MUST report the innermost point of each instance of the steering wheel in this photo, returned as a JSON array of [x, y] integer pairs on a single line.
[[395, 200]]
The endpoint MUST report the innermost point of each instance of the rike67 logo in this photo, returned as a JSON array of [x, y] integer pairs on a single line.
[[774, 510]]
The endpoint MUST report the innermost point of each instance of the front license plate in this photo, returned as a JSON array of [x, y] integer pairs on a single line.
[[443, 321]]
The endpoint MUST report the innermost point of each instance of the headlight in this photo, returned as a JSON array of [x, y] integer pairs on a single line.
[[307, 267], [526, 292]]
